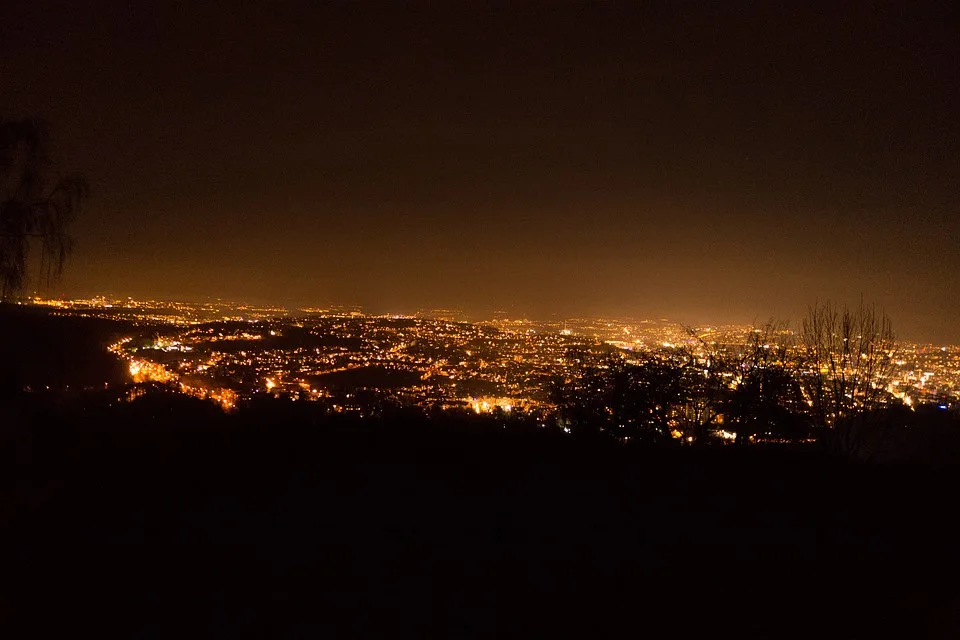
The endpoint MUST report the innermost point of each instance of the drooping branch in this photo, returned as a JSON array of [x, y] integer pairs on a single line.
[[36, 206]]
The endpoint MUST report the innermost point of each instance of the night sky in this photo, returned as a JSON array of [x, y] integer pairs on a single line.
[[541, 158]]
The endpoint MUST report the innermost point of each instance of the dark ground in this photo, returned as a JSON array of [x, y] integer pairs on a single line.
[[469, 531], [164, 517]]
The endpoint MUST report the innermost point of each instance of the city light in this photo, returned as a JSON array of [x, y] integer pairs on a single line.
[[514, 361]]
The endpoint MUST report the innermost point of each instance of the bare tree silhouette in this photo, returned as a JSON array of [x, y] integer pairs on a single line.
[[849, 358], [647, 399], [37, 205], [753, 386]]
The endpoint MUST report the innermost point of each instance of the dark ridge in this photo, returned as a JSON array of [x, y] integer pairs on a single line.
[[162, 516]]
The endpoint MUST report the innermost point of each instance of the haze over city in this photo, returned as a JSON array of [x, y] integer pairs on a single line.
[[711, 166]]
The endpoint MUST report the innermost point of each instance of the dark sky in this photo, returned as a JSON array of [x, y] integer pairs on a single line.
[[573, 158]]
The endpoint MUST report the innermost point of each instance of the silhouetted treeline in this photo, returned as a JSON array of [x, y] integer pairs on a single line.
[[828, 384]]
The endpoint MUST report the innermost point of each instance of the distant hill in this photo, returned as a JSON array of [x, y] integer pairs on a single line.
[[373, 377], [39, 349]]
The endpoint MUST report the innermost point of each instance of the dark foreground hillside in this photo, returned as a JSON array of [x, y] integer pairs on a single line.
[[159, 517], [41, 351]]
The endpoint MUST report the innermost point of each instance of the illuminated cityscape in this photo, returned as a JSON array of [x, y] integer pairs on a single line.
[[354, 362]]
